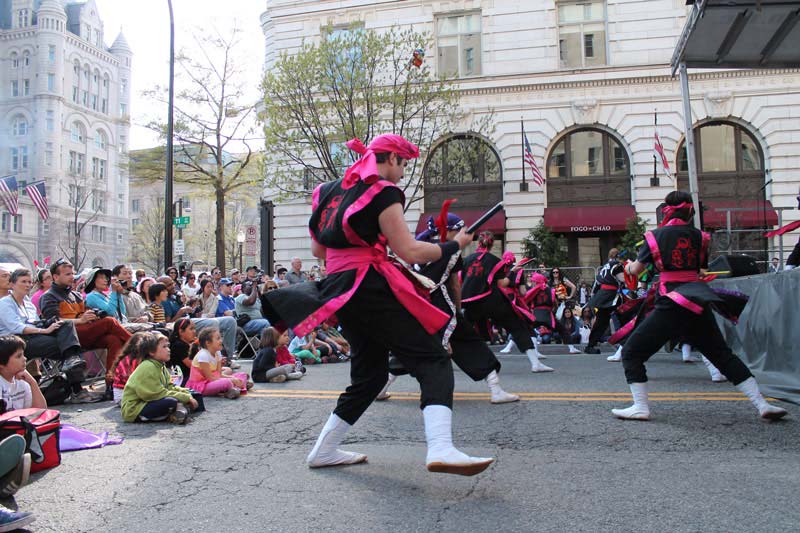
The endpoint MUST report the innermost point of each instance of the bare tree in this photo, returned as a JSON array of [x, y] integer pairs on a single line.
[[356, 83], [147, 242], [86, 201], [212, 120]]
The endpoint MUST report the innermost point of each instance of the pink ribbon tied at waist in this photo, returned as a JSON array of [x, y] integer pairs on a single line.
[[360, 259], [366, 168]]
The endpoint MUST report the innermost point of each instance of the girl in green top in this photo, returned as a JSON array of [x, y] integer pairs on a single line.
[[149, 394]]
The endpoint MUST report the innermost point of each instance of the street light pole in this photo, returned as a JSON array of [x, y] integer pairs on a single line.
[[240, 239], [168, 210]]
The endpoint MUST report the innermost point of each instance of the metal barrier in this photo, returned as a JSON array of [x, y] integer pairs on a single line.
[[725, 236]]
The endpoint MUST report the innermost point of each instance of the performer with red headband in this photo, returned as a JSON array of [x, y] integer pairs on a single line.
[[468, 350], [487, 294], [353, 221], [682, 308]]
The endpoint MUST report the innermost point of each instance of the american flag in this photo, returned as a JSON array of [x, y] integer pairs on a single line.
[[659, 148], [37, 194], [537, 174], [10, 194]]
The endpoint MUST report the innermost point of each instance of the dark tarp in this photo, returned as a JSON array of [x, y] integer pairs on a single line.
[[767, 337]]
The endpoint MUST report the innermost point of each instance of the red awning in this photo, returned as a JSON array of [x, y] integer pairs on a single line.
[[496, 224], [715, 217], [588, 219]]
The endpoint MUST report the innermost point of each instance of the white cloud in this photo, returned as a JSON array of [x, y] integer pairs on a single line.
[[145, 24]]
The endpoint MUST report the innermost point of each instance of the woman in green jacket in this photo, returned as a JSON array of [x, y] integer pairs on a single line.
[[149, 394]]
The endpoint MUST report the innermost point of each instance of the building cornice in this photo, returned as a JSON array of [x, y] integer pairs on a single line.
[[82, 45]]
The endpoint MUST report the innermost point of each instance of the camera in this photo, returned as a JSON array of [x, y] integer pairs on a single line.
[[124, 284], [44, 324], [99, 313]]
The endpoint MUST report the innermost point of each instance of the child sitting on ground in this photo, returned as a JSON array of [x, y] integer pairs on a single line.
[[182, 347], [206, 375], [18, 388], [126, 363], [305, 349], [157, 294], [266, 365], [149, 394]]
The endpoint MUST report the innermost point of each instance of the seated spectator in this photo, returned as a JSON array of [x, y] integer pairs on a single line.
[[280, 277], [248, 304], [570, 330], [143, 287], [157, 294], [183, 347], [43, 281], [305, 349], [135, 306], [202, 276], [236, 277], [58, 340], [149, 394], [274, 363], [296, 274], [15, 467], [565, 289], [328, 333], [216, 276], [106, 333], [175, 301], [98, 281], [128, 360], [226, 305], [190, 288], [207, 299], [140, 275], [18, 388], [587, 318], [206, 372], [172, 272]]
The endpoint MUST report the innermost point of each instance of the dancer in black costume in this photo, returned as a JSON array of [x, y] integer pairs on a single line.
[[682, 308], [484, 298], [467, 348], [605, 300], [353, 221]]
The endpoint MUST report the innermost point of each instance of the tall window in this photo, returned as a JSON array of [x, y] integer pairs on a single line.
[[581, 33], [22, 18], [50, 121], [19, 126], [14, 60], [26, 87], [98, 168], [135, 205], [48, 154], [77, 133], [14, 88], [77, 162], [458, 42], [51, 53], [19, 158], [26, 59], [588, 166], [100, 140], [51, 82]]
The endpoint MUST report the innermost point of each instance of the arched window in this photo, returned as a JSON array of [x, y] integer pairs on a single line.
[[78, 132], [467, 166], [26, 58], [14, 60], [588, 166], [100, 140], [19, 126]]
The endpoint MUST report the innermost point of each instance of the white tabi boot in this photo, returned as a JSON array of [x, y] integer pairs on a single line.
[[384, 394], [639, 410], [536, 343], [510, 346], [442, 456], [325, 452], [716, 375], [749, 388], [573, 349], [536, 365], [617, 357], [686, 353], [498, 394]]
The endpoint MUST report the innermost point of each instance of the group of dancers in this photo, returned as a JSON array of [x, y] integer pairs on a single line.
[[424, 307]]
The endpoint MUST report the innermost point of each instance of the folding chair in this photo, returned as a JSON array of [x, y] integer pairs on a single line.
[[247, 343]]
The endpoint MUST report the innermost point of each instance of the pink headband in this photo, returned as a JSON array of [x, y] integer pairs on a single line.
[[366, 168], [669, 210]]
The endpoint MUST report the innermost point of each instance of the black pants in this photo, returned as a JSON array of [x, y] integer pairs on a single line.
[[670, 320], [374, 323], [497, 308], [60, 344], [158, 410], [601, 321]]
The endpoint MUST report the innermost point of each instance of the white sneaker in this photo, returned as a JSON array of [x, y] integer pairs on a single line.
[[640, 409], [510, 346], [442, 456], [617, 357], [573, 349], [687, 355], [497, 392], [325, 452], [749, 388]]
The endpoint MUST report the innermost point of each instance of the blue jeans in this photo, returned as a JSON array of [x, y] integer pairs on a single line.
[[226, 326], [255, 326]]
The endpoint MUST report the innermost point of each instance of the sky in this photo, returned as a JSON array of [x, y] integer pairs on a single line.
[[145, 24]]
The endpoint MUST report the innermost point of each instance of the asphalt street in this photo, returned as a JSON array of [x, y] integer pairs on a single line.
[[705, 462]]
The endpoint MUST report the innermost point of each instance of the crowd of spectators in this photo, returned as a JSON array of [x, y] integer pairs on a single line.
[[65, 315]]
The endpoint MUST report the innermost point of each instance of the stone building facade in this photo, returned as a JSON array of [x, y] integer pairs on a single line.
[[64, 119], [587, 78]]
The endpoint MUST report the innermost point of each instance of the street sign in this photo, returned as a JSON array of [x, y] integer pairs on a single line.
[[178, 248], [251, 234], [250, 248], [181, 221]]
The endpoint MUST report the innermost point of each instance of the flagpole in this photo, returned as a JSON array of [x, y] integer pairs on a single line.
[[523, 187], [654, 181]]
